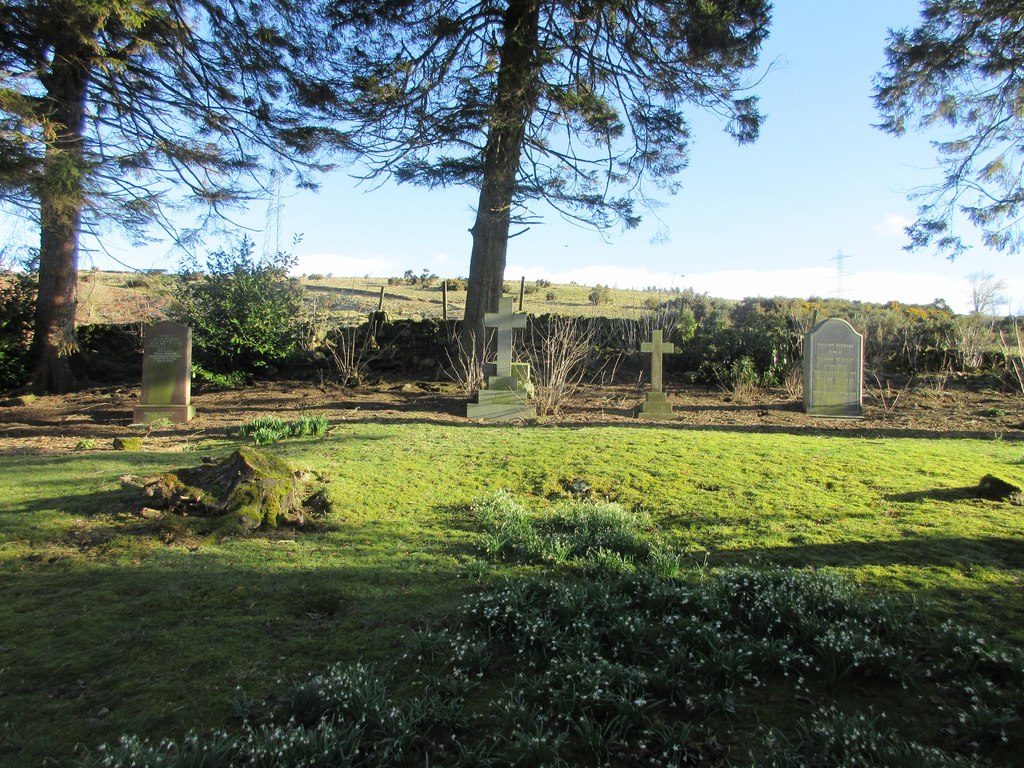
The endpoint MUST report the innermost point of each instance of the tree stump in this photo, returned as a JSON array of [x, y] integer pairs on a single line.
[[247, 491]]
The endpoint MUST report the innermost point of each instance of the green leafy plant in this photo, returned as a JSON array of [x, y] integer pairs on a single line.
[[309, 426], [833, 737], [229, 380], [265, 430], [243, 310], [600, 537]]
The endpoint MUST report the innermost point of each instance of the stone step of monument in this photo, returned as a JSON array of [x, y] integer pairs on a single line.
[[509, 396], [656, 413], [507, 383], [656, 397], [500, 411], [520, 371], [176, 414], [656, 406]]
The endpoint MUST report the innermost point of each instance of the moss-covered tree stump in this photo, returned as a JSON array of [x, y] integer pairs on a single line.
[[247, 491]]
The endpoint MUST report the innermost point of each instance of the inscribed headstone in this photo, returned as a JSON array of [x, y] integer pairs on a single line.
[[656, 404], [166, 374], [509, 388], [834, 370]]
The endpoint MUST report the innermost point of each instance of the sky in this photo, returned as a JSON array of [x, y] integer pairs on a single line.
[[816, 207]]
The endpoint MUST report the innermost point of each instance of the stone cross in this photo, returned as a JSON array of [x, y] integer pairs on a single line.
[[657, 348], [505, 320], [508, 391]]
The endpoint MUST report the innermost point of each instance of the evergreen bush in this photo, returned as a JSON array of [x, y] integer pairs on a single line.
[[243, 310]]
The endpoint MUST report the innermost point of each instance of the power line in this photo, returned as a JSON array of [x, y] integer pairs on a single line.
[[272, 222], [839, 258]]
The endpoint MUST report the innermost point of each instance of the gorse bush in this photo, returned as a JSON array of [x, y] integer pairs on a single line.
[[600, 294], [242, 310]]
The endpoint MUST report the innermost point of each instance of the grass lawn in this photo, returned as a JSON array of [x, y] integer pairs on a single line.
[[112, 623]]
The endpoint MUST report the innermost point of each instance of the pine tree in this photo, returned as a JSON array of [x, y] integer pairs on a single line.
[[577, 104], [961, 72], [121, 111]]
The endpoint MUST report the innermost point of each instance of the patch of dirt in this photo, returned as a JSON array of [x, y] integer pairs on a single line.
[[92, 419]]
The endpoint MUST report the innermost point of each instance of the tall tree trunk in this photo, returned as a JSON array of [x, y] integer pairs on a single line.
[[515, 101], [61, 193]]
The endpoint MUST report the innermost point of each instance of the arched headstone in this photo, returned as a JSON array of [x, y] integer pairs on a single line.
[[834, 370]]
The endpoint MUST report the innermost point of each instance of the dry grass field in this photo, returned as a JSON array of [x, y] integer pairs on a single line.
[[129, 297]]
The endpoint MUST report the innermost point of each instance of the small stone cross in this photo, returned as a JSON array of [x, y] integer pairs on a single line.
[[657, 348], [505, 320]]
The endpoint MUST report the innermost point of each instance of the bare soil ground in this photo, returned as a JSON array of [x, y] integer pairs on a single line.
[[91, 419]]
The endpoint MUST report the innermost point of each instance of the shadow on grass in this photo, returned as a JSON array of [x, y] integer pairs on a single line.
[[120, 501], [1004, 553], [936, 494], [948, 577], [158, 646], [407, 402]]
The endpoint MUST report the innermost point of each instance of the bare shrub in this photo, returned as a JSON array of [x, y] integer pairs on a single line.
[[466, 370], [974, 337], [349, 357], [888, 397], [1013, 351], [793, 382], [742, 383], [556, 355], [745, 391]]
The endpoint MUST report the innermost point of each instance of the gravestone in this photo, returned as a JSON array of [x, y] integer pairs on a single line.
[[166, 374], [656, 405], [834, 370], [508, 384]]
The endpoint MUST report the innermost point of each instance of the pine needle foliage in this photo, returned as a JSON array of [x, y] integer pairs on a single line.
[[124, 113], [576, 105], [960, 75]]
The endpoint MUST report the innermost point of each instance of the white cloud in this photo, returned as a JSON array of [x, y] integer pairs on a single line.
[[370, 263], [377, 265]]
